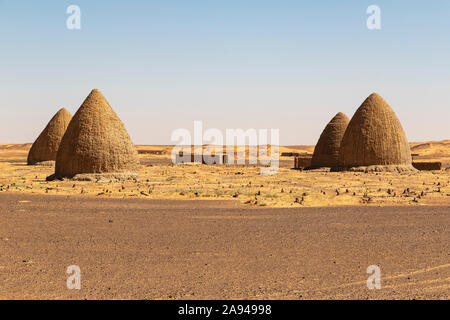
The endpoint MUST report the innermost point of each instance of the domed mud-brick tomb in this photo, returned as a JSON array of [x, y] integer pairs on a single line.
[[374, 140], [96, 145], [44, 149], [326, 152]]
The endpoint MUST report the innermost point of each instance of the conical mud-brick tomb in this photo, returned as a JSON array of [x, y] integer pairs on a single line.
[[44, 149], [96, 145], [326, 152], [375, 140]]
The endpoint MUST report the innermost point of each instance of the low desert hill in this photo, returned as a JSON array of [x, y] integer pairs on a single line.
[[422, 151], [431, 151]]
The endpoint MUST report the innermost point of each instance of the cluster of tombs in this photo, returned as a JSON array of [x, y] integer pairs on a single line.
[[94, 144]]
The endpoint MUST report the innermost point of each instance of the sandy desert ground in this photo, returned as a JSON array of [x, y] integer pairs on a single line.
[[160, 179], [294, 235], [178, 249]]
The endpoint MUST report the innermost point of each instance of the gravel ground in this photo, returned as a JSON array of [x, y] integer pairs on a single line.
[[174, 249]]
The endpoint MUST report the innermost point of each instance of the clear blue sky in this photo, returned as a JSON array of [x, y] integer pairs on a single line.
[[281, 64]]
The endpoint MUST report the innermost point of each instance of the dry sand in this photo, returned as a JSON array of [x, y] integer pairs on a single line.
[[159, 179], [159, 249], [294, 235]]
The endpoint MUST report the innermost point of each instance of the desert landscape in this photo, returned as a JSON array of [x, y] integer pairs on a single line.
[[142, 224], [195, 231], [159, 178], [224, 150]]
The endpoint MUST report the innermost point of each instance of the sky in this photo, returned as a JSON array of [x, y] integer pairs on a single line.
[[287, 65]]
